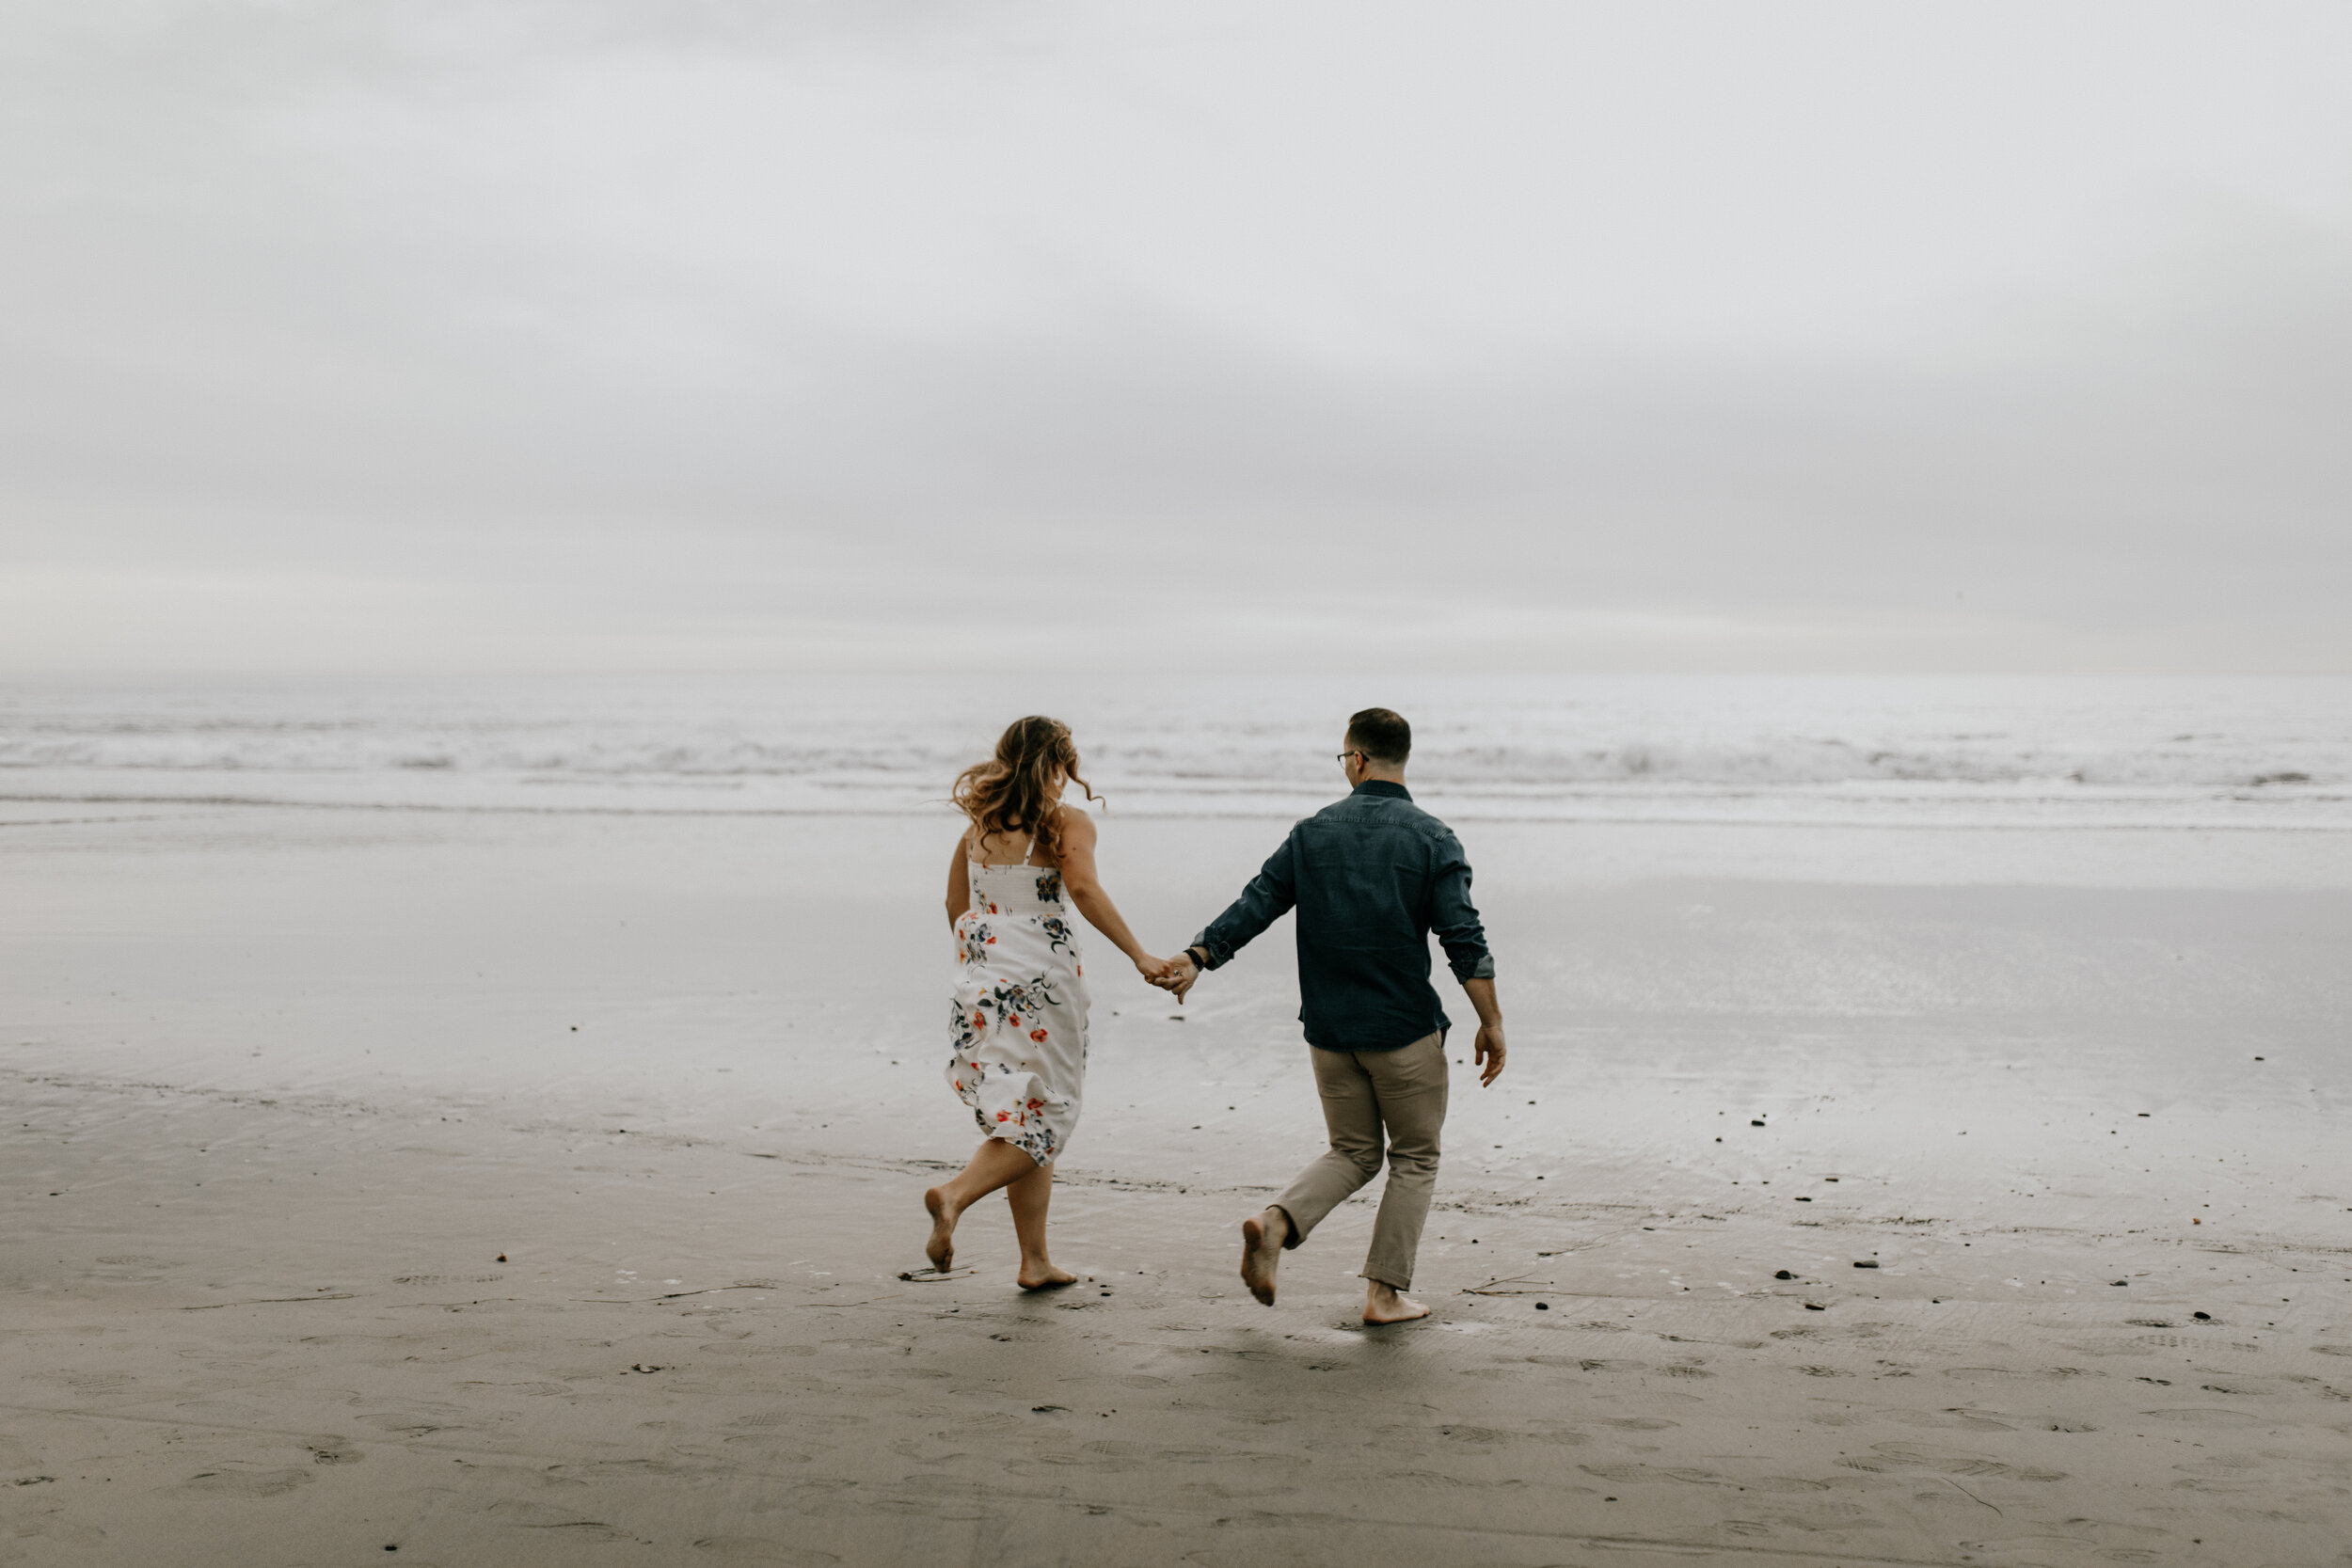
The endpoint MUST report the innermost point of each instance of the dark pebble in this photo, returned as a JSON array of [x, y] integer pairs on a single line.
[[1805, 1200], [501, 1258], [1542, 1307], [2120, 1282], [1865, 1263], [1783, 1274], [1812, 1306], [2203, 1317], [1757, 1122]]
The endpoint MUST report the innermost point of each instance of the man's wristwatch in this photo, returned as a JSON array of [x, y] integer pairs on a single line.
[[1199, 958]]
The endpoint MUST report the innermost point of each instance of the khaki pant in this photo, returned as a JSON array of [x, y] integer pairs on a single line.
[[1367, 1094]]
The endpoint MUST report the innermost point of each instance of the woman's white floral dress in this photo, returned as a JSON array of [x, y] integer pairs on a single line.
[[1019, 1024]]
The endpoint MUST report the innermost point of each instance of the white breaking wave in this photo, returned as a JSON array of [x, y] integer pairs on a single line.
[[2234, 753]]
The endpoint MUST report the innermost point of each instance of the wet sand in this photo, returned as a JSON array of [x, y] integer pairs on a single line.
[[286, 1085]]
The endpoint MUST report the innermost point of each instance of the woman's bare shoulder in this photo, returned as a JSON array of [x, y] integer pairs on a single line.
[[1073, 827]]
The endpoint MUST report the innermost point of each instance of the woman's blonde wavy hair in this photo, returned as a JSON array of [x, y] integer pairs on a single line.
[[1007, 793]]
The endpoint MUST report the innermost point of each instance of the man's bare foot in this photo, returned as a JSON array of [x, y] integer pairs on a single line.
[[1261, 1237], [941, 1248], [1044, 1277], [1383, 1304]]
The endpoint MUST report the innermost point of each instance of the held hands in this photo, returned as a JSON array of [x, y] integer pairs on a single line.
[[1174, 975], [1160, 971], [1178, 976]]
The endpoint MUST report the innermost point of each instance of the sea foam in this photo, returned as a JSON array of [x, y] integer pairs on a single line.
[[2246, 753]]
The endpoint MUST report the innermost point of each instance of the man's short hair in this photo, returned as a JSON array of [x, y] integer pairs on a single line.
[[1381, 734]]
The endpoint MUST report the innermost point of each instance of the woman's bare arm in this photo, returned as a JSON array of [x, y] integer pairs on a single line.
[[959, 884], [1075, 847]]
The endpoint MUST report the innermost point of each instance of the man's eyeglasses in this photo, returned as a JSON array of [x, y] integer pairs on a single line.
[[1342, 758]]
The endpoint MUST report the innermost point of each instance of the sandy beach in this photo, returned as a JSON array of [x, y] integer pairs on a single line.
[[531, 531], [537, 1188]]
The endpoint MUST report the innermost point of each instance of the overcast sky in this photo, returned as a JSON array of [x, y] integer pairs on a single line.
[[454, 334]]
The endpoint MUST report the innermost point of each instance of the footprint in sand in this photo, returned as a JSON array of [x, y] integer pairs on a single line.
[[89, 1382], [1485, 1437], [767, 1443], [413, 1423], [1628, 1474], [1890, 1457], [751, 1552], [2018, 1374], [525, 1515], [241, 1483], [1961, 1417], [2242, 1385]]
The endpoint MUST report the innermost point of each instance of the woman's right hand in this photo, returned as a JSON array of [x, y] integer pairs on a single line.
[[1152, 968]]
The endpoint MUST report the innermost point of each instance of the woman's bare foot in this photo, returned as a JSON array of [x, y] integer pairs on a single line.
[[941, 1248], [1261, 1238], [1383, 1304], [1043, 1277]]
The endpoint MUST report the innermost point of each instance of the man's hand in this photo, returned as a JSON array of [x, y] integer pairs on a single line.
[[1488, 1054], [1481, 992]]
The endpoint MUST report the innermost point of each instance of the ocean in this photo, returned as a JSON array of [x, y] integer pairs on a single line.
[[2234, 754]]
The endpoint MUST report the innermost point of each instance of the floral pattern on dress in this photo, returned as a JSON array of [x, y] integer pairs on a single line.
[[1017, 1024]]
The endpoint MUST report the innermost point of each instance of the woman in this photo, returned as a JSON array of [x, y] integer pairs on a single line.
[[1019, 1023]]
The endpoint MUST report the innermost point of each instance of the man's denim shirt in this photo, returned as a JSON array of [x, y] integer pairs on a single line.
[[1371, 876]]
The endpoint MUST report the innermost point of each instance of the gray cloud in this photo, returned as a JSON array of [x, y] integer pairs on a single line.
[[626, 334]]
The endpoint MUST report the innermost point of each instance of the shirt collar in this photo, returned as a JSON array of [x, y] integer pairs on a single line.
[[1383, 786]]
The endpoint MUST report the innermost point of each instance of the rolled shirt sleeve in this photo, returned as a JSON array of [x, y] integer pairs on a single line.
[[1455, 918]]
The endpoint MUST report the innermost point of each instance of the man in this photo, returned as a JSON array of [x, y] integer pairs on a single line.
[[1371, 877]]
